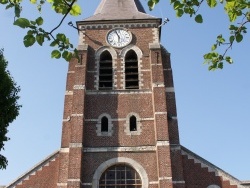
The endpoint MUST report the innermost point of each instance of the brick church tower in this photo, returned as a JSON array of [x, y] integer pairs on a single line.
[[120, 124]]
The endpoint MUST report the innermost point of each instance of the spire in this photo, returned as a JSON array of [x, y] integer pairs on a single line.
[[119, 10]]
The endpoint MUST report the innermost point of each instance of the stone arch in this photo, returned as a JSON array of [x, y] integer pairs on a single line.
[[125, 160]]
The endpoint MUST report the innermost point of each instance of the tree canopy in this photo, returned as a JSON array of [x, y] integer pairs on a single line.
[[238, 12], [9, 107]]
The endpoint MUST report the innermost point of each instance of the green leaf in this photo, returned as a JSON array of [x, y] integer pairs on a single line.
[[54, 43], [239, 38], [179, 12], [55, 54], [33, 1], [17, 11], [75, 10], [61, 37], [198, 18], [231, 39], [214, 47], [4, 1], [67, 55], [39, 21], [211, 3], [40, 39], [22, 22], [220, 65], [29, 40], [229, 60]]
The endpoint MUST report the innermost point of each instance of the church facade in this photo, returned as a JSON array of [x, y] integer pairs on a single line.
[[120, 126]]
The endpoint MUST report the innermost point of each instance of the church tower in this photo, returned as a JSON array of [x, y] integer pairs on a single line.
[[120, 127]]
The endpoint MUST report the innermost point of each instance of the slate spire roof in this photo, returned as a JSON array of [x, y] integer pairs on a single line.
[[119, 10]]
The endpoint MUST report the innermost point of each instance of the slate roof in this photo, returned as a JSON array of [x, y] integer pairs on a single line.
[[119, 10]]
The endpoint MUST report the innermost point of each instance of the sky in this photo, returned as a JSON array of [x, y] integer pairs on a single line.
[[212, 106]]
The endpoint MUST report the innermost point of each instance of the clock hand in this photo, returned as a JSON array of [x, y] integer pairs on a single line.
[[119, 38]]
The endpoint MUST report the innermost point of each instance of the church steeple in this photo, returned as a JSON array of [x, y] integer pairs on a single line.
[[119, 10]]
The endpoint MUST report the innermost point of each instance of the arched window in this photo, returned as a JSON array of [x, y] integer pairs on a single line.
[[104, 124], [132, 123], [131, 70], [105, 71], [120, 175]]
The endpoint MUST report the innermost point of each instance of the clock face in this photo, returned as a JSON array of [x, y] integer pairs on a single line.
[[119, 38]]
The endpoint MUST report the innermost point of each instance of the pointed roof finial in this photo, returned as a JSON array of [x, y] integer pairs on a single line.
[[119, 10]]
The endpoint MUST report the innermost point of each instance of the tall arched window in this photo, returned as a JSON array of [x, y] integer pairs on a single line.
[[131, 70], [120, 175], [104, 124], [105, 71], [132, 123]]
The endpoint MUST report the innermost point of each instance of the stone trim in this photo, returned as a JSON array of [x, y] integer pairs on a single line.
[[158, 84], [64, 150], [178, 182], [76, 115], [213, 186], [61, 184], [119, 149], [98, 53], [99, 126], [93, 92], [161, 113], [76, 87], [122, 119], [170, 89], [141, 171], [75, 145], [138, 123], [175, 147], [164, 178], [68, 92], [125, 25], [162, 143]]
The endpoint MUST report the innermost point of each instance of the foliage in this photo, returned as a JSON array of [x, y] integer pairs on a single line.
[[238, 12], [9, 108]]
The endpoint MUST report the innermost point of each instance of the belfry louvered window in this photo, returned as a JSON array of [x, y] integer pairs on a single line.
[[131, 70], [105, 71], [120, 176]]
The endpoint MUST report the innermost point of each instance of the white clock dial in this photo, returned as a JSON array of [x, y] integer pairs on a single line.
[[119, 38]]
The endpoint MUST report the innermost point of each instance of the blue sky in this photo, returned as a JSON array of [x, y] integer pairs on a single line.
[[213, 107]]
